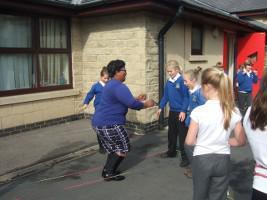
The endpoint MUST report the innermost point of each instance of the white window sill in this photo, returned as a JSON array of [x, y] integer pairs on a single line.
[[198, 58], [37, 96]]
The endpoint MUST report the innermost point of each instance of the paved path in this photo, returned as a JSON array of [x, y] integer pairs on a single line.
[[147, 177], [25, 149]]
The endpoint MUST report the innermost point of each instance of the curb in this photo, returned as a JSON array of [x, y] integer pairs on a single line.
[[34, 168]]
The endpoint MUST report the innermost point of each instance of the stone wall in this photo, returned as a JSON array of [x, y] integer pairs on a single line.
[[131, 37], [32, 108]]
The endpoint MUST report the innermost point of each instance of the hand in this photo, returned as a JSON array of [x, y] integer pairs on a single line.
[[141, 97], [255, 72], [158, 113], [83, 107], [182, 116], [149, 103]]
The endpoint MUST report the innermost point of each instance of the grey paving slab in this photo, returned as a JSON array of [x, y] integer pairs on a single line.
[[27, 148]]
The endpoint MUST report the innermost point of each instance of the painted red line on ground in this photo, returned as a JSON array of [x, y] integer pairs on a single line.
[[70, 174], [154, 154], [84, 171], [89, 183], [84, 184]]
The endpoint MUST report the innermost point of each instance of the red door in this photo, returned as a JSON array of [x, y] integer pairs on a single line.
[[252, 46]]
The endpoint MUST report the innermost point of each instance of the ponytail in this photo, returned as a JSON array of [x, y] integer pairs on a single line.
[[222, 83], [193, 73], [226, 98]]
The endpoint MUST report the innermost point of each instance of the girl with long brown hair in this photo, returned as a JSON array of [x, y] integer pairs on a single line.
[[255, 124]]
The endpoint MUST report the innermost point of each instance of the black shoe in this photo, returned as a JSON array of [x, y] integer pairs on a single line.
[[104, 171], [112, 177], [184, 163], [168, 155]]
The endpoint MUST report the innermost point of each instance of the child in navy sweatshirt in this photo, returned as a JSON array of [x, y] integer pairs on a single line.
[[245, 79], [96, 91], [176, 94], [196, 97]]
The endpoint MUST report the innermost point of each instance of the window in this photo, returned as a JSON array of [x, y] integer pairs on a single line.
[[196, 39], [16, 71], [253, 57], [34, 54], [53, 69]]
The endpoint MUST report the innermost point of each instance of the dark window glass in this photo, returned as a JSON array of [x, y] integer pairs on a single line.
[[15, 31], [53, 33], [196, 40], [34, 54], [16, 71], [54, 69]]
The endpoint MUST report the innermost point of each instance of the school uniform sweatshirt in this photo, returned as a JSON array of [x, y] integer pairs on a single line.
[[115, 101], [95, 91], [245, 81], [176, 93], [196, 99]]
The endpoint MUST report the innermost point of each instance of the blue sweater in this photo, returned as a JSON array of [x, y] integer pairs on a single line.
[[115, 101], [95, 91], [176, 94], [195, 99], [245, 82]]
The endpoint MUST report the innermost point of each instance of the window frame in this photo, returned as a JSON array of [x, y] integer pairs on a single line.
[[35, 51], [197, 51]]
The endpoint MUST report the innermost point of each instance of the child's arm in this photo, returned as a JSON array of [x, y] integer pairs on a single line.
[[191, 137], [164, 100], [90, 95], [239, 138], [185, 93], [254, 77]]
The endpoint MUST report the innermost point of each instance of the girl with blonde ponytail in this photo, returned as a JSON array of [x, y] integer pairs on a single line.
[[226, 97], [209, 131]]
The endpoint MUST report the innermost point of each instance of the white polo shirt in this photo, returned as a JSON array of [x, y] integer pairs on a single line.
[[258, 143], [212, 138]]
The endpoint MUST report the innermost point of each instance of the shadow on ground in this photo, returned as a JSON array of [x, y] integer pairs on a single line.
[[241, 179]]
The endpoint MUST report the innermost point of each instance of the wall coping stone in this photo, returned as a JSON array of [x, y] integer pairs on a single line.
[[38, 96]]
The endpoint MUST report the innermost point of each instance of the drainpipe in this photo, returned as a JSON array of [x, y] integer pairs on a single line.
[[161, 35]]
